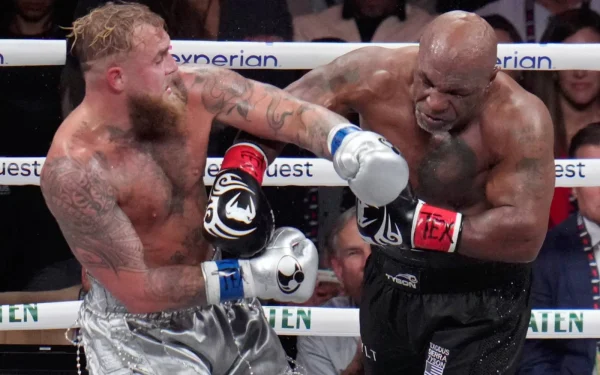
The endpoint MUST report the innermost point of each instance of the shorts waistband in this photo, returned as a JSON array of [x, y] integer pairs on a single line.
[[419, 278]]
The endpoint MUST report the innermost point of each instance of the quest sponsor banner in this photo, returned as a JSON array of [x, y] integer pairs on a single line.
[[299, 172]]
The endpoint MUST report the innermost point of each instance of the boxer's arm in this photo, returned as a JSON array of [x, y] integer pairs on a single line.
[[263, 110], [520, 189], [356, 77], [103, 239], [334, 86]]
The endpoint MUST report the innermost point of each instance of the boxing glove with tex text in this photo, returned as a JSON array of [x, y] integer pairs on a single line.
[[286, 271], [375, 170], [239, 219], [410, 223]]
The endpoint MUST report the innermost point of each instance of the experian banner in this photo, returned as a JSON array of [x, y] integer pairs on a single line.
[[257, 55], [294, 55]]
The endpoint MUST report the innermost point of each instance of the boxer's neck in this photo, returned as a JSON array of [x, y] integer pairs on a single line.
[[109, 109]]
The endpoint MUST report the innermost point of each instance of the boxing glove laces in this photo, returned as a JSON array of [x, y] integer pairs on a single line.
[[286, 271], [239, 219], [410, 222], [375, 170]]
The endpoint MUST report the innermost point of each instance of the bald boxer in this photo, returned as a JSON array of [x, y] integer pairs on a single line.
[[124, 180], [446, 289]]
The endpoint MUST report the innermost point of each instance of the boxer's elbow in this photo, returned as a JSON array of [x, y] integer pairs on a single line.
[[530, 239]]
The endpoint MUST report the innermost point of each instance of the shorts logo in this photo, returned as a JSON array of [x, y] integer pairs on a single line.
[[289, 274], [404, 279], [437, 358]]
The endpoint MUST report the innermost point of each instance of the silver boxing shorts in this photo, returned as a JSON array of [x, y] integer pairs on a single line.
[[232, 338]]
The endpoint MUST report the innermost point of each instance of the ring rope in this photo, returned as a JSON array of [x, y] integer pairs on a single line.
[[303, 321], [292, 55], [297, 172]]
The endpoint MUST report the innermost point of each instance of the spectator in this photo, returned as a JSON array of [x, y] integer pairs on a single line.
[[364, 21], [30, 105], [506, 33], [540, 11], [25, 18], [348, 253], [565, 274], [573, 97]]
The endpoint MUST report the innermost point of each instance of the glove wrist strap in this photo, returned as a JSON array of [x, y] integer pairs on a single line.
[[227, 280], [247, 157], [337, 134], [435, 228]]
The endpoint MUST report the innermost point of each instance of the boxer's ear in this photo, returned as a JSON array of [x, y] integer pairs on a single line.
[[115, 78]]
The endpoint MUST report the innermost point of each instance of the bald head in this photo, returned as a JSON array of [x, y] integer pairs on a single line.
[[456, 65], [462, 40]]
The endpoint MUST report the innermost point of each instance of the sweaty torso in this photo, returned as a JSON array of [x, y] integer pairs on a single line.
[[448, 169], [159, 183]]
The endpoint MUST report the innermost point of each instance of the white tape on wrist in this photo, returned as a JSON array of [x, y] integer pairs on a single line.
[[212, 285]]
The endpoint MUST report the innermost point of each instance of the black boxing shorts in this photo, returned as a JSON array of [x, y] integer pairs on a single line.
[[459, 318]]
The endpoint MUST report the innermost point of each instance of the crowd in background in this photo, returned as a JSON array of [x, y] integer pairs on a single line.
[[38, 265]]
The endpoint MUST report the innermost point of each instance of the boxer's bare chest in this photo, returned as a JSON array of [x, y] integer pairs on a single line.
[[162, 192], [446, 169]]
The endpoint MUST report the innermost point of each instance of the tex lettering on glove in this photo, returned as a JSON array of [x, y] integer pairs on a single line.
[[238, 218], [375, 170], [286, 271], [410, 223]]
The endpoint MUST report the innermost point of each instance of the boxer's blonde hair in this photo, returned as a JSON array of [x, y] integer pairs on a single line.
[[109, 30]]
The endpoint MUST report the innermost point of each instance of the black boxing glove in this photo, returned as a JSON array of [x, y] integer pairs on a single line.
[[410, 223], [238, 218]]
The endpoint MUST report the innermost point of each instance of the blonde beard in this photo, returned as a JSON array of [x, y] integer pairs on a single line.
[[155, 118]]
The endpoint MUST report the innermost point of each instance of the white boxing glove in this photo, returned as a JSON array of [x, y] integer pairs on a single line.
[[285, 271], [375, 170]]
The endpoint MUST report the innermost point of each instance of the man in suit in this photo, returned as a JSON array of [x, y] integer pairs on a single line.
[[566, 274]]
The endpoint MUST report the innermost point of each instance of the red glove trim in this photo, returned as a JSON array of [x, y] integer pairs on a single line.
[[247, 157], [435, 228]]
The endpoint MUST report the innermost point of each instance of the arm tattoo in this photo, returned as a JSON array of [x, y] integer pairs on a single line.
[[224, 92], [85, 207], [346, 77], [533, 170], [227, 93], [285, 118], [276, 118]]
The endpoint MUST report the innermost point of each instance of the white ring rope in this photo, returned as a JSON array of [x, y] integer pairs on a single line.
[[304, 321], [298, 172], [292, 320], [293, 55]]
